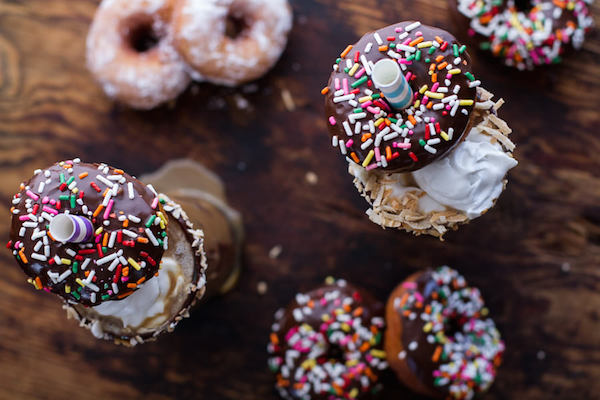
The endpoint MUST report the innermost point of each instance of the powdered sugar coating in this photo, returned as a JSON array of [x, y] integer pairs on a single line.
[[142, 80], [199, 35]]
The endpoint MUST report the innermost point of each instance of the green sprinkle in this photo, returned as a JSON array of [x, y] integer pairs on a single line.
[[470, 76], [422, 142], [455, 49], [105, 297], [338, 60], [392, 45], [410, 58], [72, 201], [394, 120], [71, 179], [76, 295], [61, 178], [431, 50], [150, 221], [418, 55], [360, 81], [346, 70], [104, 249], [428, 60], [74, 267], [375, 96], [357, 110], [462, 49], [63, 197]]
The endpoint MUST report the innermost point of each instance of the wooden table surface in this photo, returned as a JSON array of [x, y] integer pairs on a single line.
[[536, 255]]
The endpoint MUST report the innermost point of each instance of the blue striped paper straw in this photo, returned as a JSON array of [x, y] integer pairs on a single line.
[[71, 228], [388, 78]]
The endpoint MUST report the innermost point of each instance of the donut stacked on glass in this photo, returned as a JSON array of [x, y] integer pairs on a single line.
[[144, 52], [128, 261], [421, 136]]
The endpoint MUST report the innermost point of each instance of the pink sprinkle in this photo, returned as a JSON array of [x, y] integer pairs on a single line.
[[349, 143], [435, 86], [377, 154], [359, 73], [366, 104], [124, 278], [345, 86], [404, 146], [410, 132], [45, 200], [425, 99], [448, 76], [372, 166], [154, 203], [50, 210], [471, 32], [24, 218], [405, 62], [337, 83], [419, 33], [409, 285], [108, 209], [373, 110], [419, 297], [399, 29], [32, 195], [408, 76], [332, 120], [407, 41]]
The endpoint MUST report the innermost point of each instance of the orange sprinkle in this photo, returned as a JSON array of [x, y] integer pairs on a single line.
[[365, 346], [274, 338], [142, 239], [365, 137], [431, 68], [559, 3], [416, 41], [434, 78], [141, 280], [358, 312], [383, 48], [131, 285], [123, 295], [347, 308], [119, 171], [22, 255], [442, 65], [403, 300], [439, 58], [86, 273], [412, 120], [325, 90], [428, 309], [38, 283], [311, 304], [485, 19], [370, 374], [439, 39], [83, 175], [388, 122], [98, 210], [436, 354], [125, 271], [345, 52], [430, 105], [354, 157], [125, 223], [388, 153]]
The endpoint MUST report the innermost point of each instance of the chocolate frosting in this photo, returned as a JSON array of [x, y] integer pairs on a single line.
[[131, 232], [431, 344], [446, 50], [336, 313]]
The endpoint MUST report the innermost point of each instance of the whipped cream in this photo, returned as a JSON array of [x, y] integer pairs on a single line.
[[149, 306], [470, 178]]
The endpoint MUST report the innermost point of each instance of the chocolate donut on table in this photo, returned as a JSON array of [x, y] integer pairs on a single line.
[[363, 126], [327, 344], [440, 340], [125, 249], [526, 33]]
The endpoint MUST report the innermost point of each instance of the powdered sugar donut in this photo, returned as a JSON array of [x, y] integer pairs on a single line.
[[231, 56], [130, 52]]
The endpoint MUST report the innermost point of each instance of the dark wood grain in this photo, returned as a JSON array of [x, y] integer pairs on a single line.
[[536, 256]]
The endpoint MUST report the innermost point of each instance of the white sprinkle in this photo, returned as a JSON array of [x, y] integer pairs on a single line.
[[366, 144], [105, 181], [450, 133], [338, 92], [354, 116], [357, 128], [347, 128], [334, 141], [391, 136], [365, 64], [412, 26], [403, 35], [39, 257], [368, 47], [131, 233], [430, 149], [106, 259], [474, 84], [343, 147], [402, 355], [113, 264], [151, 237], [378, 38], [406, 48], [344, 98], [149, 186], [41, 187], [412, 346], [22, 231], [130, 190], [115, 288], [456, 89], [432, 142], [297, 315], [134, 219]]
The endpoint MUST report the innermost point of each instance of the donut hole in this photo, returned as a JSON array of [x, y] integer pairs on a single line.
[[335, 352], [453, 325], [235, 25], [142, 35]]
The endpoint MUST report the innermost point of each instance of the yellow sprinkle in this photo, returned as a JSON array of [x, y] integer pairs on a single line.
[[345, 327], [423, 89], [329, 280], [67, 289], [485, 311], [99, 230], [162, 225], [465, 102], [427, 327], [364, 99], [422, 45], [75, 190], [133, 263], [353, 393], [368, 159], [445, 136], [309, 364], [80, 282], [351, 363], [434, 95], [325, 317], [417, 104], [379, 121], [162, 217], [353, 70], [65, 261], [454, 71], [378, 353]]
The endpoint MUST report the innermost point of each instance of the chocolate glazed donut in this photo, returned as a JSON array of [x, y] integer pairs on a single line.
[[327, 344], [125, 249], [439, 339], [361, 122]]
